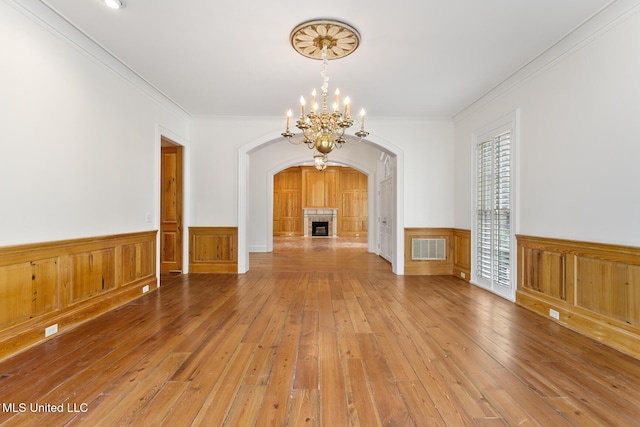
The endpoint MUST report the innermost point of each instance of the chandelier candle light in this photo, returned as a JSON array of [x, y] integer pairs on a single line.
[[323, 131]]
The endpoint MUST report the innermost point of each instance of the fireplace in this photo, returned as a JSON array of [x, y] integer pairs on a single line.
[[326, 219], [320, 228]]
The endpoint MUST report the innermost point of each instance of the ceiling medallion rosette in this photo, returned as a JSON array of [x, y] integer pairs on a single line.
[[310, 37]]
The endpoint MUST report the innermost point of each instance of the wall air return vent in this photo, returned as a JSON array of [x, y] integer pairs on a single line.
[[428, 249]]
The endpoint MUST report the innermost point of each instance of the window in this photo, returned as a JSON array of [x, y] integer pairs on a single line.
[[493, 234]]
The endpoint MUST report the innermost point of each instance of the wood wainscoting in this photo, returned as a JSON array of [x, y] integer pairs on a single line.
[[66, 283], [213, 249], [462, 254], [457, 252], [352, 212], [592, 288], [337, 187], [287, 202]]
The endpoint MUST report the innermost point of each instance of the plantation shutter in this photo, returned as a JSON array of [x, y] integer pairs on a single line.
[[493, 232], [485, 166], [502, 210]]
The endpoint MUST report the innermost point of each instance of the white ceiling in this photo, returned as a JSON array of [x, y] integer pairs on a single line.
[[417, 58]]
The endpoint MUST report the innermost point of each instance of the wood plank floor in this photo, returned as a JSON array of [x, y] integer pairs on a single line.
[[320, 333]]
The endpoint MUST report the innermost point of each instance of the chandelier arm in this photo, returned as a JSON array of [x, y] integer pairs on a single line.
[[361, 134]]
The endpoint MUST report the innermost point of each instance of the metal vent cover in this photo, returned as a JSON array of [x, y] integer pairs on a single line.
[[428, 249]]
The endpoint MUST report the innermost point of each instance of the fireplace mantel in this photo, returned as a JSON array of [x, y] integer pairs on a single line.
[[325, 215]]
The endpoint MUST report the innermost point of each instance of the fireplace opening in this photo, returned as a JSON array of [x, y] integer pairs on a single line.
[[320, 228]]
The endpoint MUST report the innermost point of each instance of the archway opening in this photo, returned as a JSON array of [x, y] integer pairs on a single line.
[[261, 159]]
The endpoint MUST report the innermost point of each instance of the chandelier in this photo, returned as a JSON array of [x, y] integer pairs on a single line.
[[323, 130]]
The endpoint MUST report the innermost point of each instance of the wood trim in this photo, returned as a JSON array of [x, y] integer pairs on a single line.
[[213, 249], [462, 253], [428, 267], [594, 287], [69, 282]]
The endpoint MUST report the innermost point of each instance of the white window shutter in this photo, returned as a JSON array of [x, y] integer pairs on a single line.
[[493, 228]]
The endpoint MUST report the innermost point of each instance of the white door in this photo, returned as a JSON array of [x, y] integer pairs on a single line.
[[385, 220]]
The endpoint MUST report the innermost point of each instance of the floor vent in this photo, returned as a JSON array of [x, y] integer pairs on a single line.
[[428, 249]]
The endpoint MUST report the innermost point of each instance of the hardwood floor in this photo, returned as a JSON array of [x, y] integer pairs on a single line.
[[320, 332]]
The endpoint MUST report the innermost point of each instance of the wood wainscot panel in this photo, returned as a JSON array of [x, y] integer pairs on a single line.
[[428, 267], [213, 249], [138, 261], [92, 273], [462, 253], [66, 283], [28, 289], [544, 271], [609, 288], [593, 288]]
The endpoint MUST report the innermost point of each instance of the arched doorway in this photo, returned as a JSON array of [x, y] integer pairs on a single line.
[[279, 157]]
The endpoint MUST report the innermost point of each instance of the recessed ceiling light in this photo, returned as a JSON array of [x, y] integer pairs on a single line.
[[114, 4]]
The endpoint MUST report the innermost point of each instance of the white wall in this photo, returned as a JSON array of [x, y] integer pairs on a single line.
[[79, 151], [579, 138], [214, 179], [425, 173], [427, 145]]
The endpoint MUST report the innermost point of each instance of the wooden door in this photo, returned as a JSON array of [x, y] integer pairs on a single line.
[[171, 210]]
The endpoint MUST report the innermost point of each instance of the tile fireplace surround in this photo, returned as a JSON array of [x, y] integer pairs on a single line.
[[328, 215]]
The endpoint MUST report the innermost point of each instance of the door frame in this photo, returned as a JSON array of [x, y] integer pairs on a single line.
[[162, 132]]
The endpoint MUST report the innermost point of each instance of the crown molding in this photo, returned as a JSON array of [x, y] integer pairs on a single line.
[[608, 17], [46, 17]]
